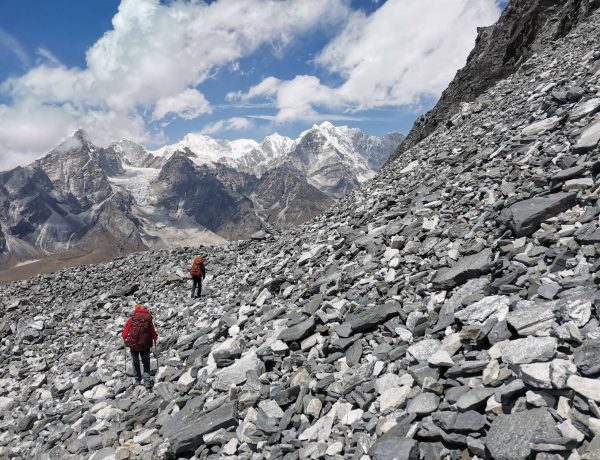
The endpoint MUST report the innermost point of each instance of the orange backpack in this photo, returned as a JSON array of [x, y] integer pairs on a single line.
[[197, 267]]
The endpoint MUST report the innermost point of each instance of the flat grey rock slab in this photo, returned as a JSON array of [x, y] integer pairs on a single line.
[[509, 436], [587, 357], [529, 350], [495, 306], [298, 331], [589, 138], [466, 268], [369, 317], [585, 108], [526, 216], [186, 436], [395, 448], [236, 373]]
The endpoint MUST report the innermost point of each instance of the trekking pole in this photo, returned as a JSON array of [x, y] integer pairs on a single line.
[[156, 357], [125, 350]]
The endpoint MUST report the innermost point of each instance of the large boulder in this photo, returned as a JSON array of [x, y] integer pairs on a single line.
[[526, 216]]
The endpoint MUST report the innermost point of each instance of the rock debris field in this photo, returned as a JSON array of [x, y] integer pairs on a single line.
[[447, 309]]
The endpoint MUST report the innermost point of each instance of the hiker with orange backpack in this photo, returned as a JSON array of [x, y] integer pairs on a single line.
[[198, 272], [138, 335]]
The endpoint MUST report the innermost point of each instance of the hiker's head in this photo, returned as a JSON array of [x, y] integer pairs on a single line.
[[138, 307]]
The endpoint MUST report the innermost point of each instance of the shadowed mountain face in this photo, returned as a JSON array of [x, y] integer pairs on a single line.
[[81, 199]]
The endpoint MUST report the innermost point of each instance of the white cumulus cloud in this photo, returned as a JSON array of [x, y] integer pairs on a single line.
[[230, 124], [404, 51], [188, 104], [151, 61]]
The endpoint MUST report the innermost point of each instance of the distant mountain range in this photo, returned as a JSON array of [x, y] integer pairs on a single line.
[[84, 201]]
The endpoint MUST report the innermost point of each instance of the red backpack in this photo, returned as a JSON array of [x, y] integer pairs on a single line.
[[197, 267], [139, 338]]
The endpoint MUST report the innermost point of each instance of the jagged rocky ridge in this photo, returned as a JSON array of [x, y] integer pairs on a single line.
[[524, 27], [99, 203], [449, 308]]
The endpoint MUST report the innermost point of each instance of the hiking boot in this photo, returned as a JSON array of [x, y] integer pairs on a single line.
[[137, 381], [148, 383]]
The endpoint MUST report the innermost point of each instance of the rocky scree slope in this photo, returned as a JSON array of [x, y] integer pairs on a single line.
[[449, 308], [524, 27]]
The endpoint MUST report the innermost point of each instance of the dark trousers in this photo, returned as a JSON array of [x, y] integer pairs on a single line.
[[135, 357], [197, 285]]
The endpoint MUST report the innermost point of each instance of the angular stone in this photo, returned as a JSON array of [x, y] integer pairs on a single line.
[[466, 268], [469, 421], [369, 317], [542, 126], [186, 436], [495, 306], [298, 331], [392, 399], [587, 357], [390, 447], [423, 350], [423, 403], [526, 216], [6, 404], [528, 318], [528, 350], [386, 382], [590, 388], [107, 453], [585, 108], [473, 398], [509, 436], [588, 140], [236, 373]]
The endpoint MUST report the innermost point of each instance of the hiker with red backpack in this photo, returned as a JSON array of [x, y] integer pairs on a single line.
[[198, 272], [138, 335]]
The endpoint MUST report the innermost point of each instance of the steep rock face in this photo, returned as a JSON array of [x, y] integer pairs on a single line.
[[283, 197], [330, 160], [33, 212], [2, 242], [501, 49], [183, 186], [112, 228], [78, 169]]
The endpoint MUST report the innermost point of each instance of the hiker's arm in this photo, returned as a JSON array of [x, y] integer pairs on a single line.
[[126, 330]]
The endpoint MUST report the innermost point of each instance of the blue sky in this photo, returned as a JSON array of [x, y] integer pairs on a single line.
[[153, 70]]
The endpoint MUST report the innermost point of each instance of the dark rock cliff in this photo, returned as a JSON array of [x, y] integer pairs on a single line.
[[501, 49]]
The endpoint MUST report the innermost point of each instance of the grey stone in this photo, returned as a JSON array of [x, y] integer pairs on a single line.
[[495, 306], [528, 317], [509, 436], [469, 421], [526, 216], [587, 357], [237, 373], [369, 317], [590, 388], [466, 268], [528, 350], [390, 447], [298, 331], [186, 436], [589, 138], [585, 108], [473, 398], [422, 404]]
